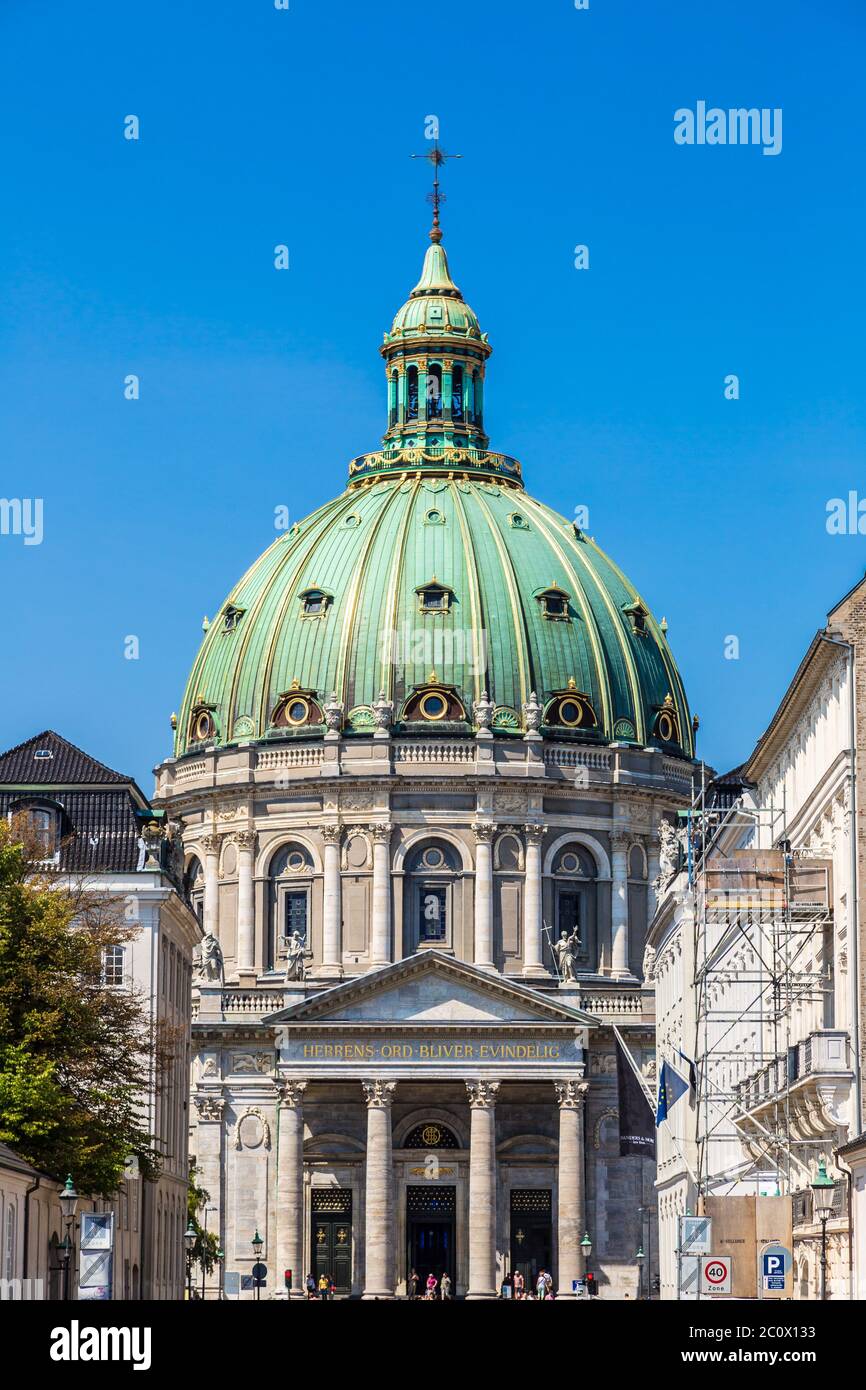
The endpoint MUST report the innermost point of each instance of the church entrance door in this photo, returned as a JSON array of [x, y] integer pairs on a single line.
[[531, 1232], [332, 1237], [430, 1233]]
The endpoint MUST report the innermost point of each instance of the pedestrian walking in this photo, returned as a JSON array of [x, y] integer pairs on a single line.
[[445, 1286], [413, 1282]]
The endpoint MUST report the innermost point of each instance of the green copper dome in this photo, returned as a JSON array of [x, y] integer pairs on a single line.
[[434, 595]]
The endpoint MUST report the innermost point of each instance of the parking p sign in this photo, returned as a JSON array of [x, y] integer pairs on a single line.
[[715, 1275], [775, 1264]]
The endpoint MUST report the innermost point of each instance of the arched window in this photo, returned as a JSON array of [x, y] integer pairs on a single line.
[[290, 880], [412, 394], [432, 870], [392, 399], [574, 902], [193, 887], [470, 398], [41, 823], [457, 394], [430, 1136], [434, 391]]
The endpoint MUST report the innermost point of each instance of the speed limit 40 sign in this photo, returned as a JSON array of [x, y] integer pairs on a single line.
[[715, 1275]]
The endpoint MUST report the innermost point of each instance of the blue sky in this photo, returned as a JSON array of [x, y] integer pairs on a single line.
[[261, 126]]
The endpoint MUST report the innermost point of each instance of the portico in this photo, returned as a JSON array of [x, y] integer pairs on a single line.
[[430, 1114]]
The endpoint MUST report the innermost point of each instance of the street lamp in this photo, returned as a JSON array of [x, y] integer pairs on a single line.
[[219, 1256], [68, 1206], [823, 1192], [640, 1257], [257, 1244], [586, 1250], [190, 1236]]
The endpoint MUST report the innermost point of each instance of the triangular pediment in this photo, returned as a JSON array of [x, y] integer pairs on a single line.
[[433, 988]]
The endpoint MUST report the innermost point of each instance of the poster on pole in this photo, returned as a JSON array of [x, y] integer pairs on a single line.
[[97, 1251]]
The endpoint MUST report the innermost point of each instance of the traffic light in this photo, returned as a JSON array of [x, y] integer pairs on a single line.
[[591, 1286], [288, 1278]]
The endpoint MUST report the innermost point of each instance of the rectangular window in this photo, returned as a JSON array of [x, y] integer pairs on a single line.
[[296, 914], [569, 911], [431, 914], [112, 965]]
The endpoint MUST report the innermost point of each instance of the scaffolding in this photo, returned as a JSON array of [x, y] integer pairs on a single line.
[[761, 917]]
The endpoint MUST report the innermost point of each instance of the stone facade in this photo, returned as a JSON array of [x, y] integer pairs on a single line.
[[279, 1133]]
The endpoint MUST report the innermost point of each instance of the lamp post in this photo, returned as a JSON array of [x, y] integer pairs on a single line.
[[219, 1256], [190, 1236], [823, 1192], [640, 1257], [204, 1253], [586, 1251], [68, 1206], [257, 1244]]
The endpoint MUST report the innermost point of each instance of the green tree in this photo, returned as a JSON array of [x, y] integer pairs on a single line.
[[207, 1242], [77, 1057]]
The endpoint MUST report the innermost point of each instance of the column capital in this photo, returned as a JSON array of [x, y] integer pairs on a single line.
[[379, 1095], [291, 1093], [534, 834], [331, 834], [482, 1094], [571, 1094], [211, 844], [483, 832], [620, 841], [244, 839], [381, 833]]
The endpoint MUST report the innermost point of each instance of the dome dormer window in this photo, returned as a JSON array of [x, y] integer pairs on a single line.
[[554, 603], [202, 725], [315, 603], [666, 727], [637, 616], [434, 702], [232, 617], [296, 708], [434, 597], [572, 709]]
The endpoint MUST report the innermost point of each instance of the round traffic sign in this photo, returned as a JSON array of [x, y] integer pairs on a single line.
[[260, 1271], [716, 1272]]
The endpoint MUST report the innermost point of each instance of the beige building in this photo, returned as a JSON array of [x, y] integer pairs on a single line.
[[759, 964]]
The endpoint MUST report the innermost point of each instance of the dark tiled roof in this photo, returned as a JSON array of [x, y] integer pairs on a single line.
[[19, 766]]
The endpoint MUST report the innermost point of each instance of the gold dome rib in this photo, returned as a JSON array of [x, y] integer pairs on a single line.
[[523, 653], [543, 520]]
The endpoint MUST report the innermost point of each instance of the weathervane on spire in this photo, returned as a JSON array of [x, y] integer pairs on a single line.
[[437, 158]]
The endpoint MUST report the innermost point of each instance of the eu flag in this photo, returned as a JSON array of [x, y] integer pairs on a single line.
[[671, 1087]]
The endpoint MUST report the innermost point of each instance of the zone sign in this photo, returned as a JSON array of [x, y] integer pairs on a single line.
[[715, 1275]]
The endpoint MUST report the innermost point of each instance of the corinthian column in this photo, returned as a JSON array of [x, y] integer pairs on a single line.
[[246, 840], [211, 914], [482, 1189], [290, 1184], [570, 1096], [379, 1200], [533, 956], [619, 906], [381, 943], [483, 896], [332, 946]]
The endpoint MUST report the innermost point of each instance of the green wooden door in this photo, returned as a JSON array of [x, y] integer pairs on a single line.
[[331, 1237]]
